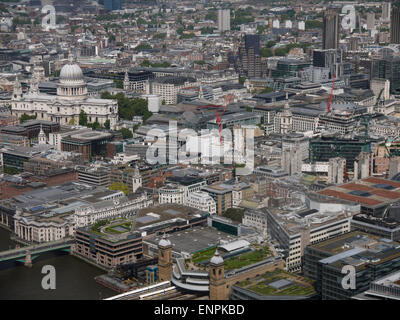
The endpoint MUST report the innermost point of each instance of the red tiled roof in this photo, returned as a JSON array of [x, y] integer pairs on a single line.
[[376, 191], [345, 196], [383, 181]]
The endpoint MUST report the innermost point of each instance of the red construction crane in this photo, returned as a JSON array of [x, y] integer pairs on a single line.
[[328, 109], [218, 119]]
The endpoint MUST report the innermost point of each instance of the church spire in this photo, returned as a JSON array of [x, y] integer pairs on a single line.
[[286, 117], [17, 91], [126, 81], [287, 102], [42, 136]]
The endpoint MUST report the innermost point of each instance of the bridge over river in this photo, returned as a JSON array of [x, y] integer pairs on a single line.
[[27, 254]]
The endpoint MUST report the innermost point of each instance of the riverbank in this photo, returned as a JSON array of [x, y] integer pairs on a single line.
[[75, 278]]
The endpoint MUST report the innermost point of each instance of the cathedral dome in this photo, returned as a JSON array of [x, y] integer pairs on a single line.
[[71, 73]]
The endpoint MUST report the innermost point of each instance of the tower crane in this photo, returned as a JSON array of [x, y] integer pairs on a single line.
[[328, 109]]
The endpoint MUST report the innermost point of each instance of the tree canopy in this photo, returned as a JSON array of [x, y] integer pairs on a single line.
[[119, 186], [126, 133], [26, 117], [128, 108]]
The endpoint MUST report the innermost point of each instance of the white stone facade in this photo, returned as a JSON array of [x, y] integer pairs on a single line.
[[71, 99], [202, 201]]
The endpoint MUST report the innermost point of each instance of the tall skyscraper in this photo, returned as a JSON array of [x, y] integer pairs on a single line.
[[386, 6], [395, 25], [224, 20], [252, 41], [329, 58], [330, 34], [249, 57], [113, 4], [370, 21]]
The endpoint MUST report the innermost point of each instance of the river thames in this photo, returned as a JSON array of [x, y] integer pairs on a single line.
[[74, 278]]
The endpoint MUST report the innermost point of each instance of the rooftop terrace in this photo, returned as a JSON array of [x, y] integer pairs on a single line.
[[279, 283]]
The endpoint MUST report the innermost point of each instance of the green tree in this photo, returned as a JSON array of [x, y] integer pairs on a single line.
[[120, 186], [71, 122], [271, 43], [211, 15], [10, 170], [159, 36], [234, 214], [128, 108], [95, 125], [126, 133], [106, 95], [119, 84], [26, 117], [83, 118], [266, 90], [145, 63], [187, 35], [313, 24], [266, 52], [143, 47], [107, 124]]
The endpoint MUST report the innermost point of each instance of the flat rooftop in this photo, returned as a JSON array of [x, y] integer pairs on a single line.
[[91, 136], [358, 249], [196, 239], [294, 221]]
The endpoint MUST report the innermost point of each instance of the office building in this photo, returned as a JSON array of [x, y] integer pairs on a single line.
[[224, 20], [325, 148], [336, 170], [113, 4], [222, 195], [386, 10], [249, 57], [97, 176], [328, 58], [297, 227], [370, 21], [373, 194], [395, 25], [90, 144], [388, 68], [385, 288], [109, 245], [370, 256], [168, 87], [291, 160], [330, 33]]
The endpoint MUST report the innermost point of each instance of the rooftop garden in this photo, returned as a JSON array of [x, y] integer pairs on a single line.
[[117, 226], [298, 285], [202, 255], [247, 259]]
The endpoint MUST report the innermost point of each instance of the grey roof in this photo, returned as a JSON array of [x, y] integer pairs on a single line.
[[343, 255]]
